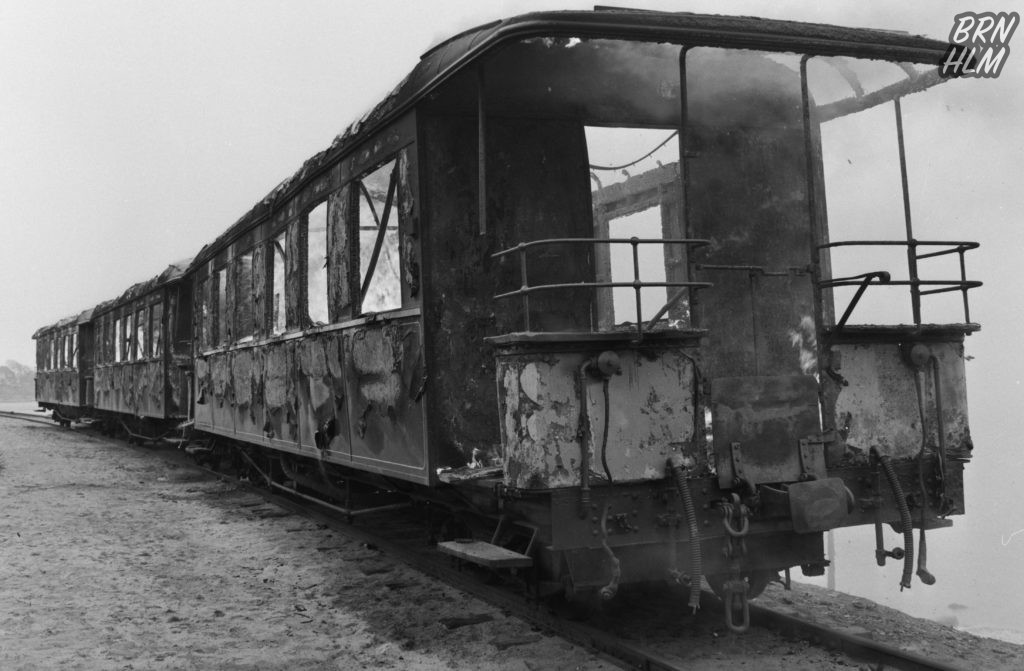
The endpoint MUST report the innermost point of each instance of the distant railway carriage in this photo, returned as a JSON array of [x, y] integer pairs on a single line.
[[64, 377], [584, 279], [143, 354]]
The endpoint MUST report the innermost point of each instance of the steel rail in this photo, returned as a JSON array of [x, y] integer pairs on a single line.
[[11, 414], [855, 646], [606, 644], [615, 649]]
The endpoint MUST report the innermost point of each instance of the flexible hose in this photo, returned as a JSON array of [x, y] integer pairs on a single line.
[[584, 437], [922, 547], [609, 591], [677, 466], [905, 523], [604, 435]]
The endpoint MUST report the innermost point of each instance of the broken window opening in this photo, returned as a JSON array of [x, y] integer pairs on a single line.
[[118, 338], [73, 357], [637, 193], [878, 122], [223, 318], [157, 336], [128, 354], [379, 263], [316, 265], [206, 316], [245, 324], [105, 347], [141, 327], [278, 316]]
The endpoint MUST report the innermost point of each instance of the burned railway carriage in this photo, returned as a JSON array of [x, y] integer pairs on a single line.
[[125, 362], [597, 282]]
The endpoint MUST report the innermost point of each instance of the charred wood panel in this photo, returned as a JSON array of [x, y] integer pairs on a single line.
[[260, 301], [340, 206], [294, 284]]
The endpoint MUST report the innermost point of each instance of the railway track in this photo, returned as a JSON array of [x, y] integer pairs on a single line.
[[28, 417], [403, 537], [649, 631]]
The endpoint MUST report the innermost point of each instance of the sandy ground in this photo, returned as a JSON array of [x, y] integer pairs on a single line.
[[118, 557], [113, 557]]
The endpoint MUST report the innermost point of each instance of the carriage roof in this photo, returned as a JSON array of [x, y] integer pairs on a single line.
[[443, 61]]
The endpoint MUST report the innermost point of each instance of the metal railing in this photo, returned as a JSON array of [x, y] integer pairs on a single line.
[[637, 284], [864, 280]]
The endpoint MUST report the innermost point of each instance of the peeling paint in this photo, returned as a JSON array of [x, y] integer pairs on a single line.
[[878, 406], [651, 414]]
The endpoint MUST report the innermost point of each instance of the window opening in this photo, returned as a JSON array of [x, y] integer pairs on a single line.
[[126, 355], [74, 350], [105, 346], [223, 319], [278, 318], [157, 336], [636, 193], [141, 326], [118, 337], [316, 264], [878, 121], [206, 320], [379, 263], [244, 323]]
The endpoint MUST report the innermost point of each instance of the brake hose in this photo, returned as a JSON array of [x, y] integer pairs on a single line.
[[905, 523], [677, 464]]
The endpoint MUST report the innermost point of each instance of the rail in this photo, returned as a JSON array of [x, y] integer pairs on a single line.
[[864, 280], [637, 284]]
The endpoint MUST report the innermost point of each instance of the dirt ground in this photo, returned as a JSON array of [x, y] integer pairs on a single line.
[[118, 557], [113, 557]]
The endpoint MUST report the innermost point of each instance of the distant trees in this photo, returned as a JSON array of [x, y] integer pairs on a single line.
[[17, 382]]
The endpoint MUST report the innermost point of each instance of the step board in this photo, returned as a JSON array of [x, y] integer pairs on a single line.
[[485, 554]]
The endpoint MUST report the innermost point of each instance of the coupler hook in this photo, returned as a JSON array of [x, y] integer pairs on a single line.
[[736, 603], [729, 510]]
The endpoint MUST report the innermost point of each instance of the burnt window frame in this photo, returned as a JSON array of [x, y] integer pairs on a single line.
[[242, 332], [205, 316], [156, 331], [141, 327], [222, 321], [304, 249], [358, 192], [273, 248]]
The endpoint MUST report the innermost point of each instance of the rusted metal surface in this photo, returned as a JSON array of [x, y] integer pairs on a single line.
[[58, 387], [766, 416], [651, 415], [385, 389], [64, 362], [876, 401], [298, 395], [755, 215], [322, 397], [537, 188]]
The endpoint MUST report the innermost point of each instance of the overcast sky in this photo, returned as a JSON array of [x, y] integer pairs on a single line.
[[132, 133]]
